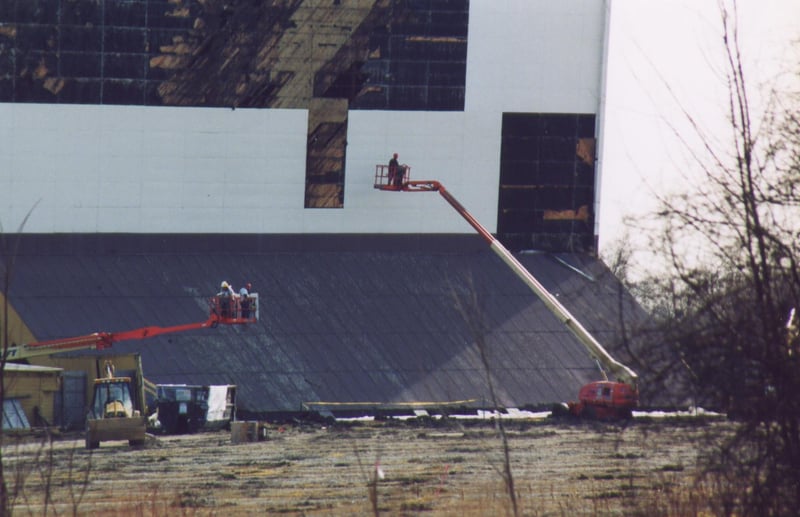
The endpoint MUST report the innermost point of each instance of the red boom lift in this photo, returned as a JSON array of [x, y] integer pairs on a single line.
[[117, 411], [606, 399], [222, 310]]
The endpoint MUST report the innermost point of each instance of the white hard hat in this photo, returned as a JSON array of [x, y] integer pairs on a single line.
[[224, 284]]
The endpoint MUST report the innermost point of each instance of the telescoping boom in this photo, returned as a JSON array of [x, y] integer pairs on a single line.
[[221, 312], [604, 399]]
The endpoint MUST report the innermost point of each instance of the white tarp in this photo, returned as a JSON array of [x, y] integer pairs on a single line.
[[217, 402]]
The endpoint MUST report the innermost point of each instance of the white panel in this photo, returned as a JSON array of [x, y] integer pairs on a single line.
[[119, 194], [529, 55], [323, 220], [159, 217], [245, 196], [156, 168], [75, 217], [160, 194], [205, 194], [284, 196], [159, 144], [119, 219], [281, 220]]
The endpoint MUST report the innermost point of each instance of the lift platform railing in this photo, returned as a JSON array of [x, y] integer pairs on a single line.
[[235, 309], [384, 177]]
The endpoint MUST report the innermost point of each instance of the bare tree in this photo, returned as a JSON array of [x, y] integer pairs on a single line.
[[725, 311], [469, 306], [8, 253]]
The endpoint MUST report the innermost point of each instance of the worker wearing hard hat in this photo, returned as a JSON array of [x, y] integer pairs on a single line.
[[226, 295], [225, 289]]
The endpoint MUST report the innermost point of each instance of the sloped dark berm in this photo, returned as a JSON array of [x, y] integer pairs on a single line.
[[347, 322]]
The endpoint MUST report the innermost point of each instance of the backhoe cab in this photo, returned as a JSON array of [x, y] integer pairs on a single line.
[[116, 412]]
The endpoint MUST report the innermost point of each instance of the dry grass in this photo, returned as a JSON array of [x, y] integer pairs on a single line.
[[647, 468]]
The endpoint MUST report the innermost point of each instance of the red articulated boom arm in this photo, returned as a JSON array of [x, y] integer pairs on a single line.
[[619, 370], [230, 313]]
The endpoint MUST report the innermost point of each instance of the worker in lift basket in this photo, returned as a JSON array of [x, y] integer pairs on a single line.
[[396, 172], [226, 299], [244, 300]]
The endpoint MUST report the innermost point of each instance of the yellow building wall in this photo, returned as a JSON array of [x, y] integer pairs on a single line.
[[36, 392], [18, 332], [39, 389], [92, 365]]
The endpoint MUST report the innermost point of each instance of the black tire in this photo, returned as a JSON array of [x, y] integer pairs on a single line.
[[560, 411], [89, 443]]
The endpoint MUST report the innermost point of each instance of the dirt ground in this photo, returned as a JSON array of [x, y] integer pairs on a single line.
[[433, 468]]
